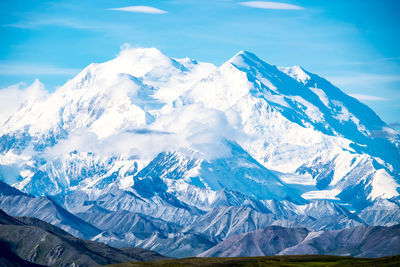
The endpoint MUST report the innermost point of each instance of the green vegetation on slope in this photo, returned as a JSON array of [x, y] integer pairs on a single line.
[[300, 260]]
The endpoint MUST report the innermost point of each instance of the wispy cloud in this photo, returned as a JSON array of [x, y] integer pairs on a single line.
[[140, 9], [270, 5], [27, 69], [33, 24], [363, 97], [363, 79]]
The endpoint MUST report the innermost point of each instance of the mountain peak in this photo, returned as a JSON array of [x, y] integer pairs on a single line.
[[140, 61], [245, 53], [245, 58], [141, 52]]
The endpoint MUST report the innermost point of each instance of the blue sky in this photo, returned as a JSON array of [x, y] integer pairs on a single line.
[[353, 43]]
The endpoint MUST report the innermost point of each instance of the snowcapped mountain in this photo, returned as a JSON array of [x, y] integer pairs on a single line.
[[184, 150]]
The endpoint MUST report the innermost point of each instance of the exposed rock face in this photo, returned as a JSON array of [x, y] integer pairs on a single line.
[[360, 241]]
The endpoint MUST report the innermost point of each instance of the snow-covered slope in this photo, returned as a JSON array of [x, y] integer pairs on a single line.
[[176, 140], [298, 128], [382, 212]]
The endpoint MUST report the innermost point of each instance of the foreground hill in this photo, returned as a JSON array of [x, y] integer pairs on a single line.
[[28, 239]]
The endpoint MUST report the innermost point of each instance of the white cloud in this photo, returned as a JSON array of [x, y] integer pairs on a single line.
[[140, 9], [270, 5], [12, 97], [192, 128], [363, 97], [202, 128], [26, 69]]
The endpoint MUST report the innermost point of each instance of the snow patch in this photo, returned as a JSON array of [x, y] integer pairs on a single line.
[[383, 185]]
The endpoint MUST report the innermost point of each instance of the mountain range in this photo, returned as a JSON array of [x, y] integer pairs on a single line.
[[180, 156]]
